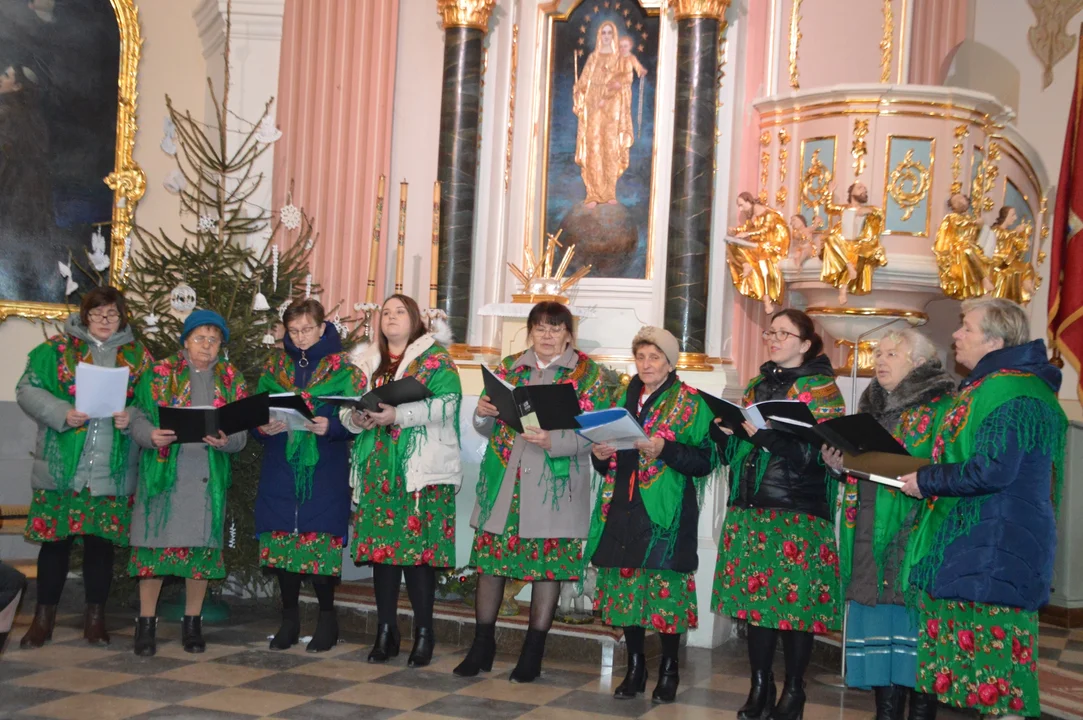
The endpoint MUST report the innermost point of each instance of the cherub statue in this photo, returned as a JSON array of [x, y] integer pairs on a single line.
[[1012, 274], [758, 245], [964, 268], [807, 241], [852, 248]]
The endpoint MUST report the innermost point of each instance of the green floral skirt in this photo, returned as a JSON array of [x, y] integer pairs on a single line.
[[664, 600], [309, 553], [508, 555], [396, 527], [979, 656], [56, 515], [197, 563], [778, 569]]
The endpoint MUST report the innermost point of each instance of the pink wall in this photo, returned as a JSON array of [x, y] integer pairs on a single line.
[[335, 90], [938, 30], [840, 42]]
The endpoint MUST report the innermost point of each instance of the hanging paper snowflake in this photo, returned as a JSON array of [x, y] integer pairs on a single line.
[[290, 216], [232, 534], [127, 254], [182, 299], [274, 267], [308, 285], [283, 307], [267, 132], [207, 224], [99, 259], [175, 182]]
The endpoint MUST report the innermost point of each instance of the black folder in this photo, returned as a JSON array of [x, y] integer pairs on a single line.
[[553, 407], [291, 402], [397, 392], [192, 424], [867, 448], [733, 415]]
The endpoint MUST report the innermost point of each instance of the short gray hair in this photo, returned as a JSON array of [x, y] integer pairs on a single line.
[[1001, 319], [921, 347]]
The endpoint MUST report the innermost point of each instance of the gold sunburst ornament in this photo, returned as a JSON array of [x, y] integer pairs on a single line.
[[540, 282]]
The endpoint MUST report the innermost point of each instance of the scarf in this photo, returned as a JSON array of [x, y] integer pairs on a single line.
[[971, 427], [678, 415], [169, 384], [334, 375], [586, 377], [912, 413], [51, 367], [394, 444]]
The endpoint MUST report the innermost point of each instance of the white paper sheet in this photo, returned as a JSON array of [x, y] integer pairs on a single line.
[[294, 420], [622, 433], [99, 391]]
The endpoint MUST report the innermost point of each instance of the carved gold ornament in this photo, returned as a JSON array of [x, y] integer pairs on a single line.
[[1047, 39], [985, 180], [885, 42], [511, 102], [466, 13], [866, 357], [909, 184], [961, 133], [816, 183], [541, 281], [127, 181], [858, 148], [795, 39], [765, 164], [783, 161], [689, 9]]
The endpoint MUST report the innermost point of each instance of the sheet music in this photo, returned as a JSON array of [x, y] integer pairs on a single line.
[[100, 391]]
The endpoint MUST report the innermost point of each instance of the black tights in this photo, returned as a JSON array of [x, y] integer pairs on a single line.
[[636, 638], [544, 595], [796, 647], [420, 586], [289, 585], [53, 560]]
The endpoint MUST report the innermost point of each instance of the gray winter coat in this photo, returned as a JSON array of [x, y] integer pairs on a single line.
[[50, 411], [538, 518], [189, 522]]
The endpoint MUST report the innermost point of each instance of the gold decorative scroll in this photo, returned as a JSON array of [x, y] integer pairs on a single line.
[[1043, 235], [783, 158], [689, 9], [765, 164], [795, 38], [866, 357], [858, 148], [1047, 37], [886, 41], [985, 181], [816, 183], [961, 133], [909, 184], [127, 181], [511, 102], [465, 13]]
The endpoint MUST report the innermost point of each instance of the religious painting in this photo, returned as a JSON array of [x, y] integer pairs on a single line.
[[599, 150], [63, 131]]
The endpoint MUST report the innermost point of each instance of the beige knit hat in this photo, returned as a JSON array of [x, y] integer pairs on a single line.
[[661, 339]]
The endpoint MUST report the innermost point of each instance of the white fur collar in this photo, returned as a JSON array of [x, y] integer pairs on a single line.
[[367, 357]]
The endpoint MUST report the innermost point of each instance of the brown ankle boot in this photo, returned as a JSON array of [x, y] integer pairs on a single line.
[[94, 625], [41, 629]]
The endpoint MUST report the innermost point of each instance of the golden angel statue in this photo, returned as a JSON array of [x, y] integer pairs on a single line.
[[758, 245], [852, 249], [964, 268], [602, 100], [806, 242], [1012, 274]]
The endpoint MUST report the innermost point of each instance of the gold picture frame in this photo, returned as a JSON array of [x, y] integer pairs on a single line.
[[127, 181]]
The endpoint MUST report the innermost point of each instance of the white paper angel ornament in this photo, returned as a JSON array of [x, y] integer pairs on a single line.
[[99, 258]]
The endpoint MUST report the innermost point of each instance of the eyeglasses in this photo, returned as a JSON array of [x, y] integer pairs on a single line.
[[548, 330], [779, 335], [301, 332], [208, 340], [107, 316]]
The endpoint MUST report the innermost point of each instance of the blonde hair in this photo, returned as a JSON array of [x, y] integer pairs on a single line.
[[1001, 319], [920, 347]]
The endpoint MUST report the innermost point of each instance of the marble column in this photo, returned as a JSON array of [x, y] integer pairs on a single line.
[[465, 24], [692, 189]]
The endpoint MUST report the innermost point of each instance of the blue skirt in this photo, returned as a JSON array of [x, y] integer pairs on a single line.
[[881, 646]]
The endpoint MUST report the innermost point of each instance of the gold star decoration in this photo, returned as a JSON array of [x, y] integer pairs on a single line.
[[581, 41], [644, 36], [628, 23], [582, 28], [639, 26], [642, 48]]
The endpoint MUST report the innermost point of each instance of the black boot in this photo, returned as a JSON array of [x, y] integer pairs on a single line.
[[922, 706], [289, 632], [761, 697], [482, 650], [668, 680], [41, 627], [145, 643], [791, 704], [424, 641], [387, 643], [326, 635], [530, 657], [192, 634], [890, 702], [635, 680]]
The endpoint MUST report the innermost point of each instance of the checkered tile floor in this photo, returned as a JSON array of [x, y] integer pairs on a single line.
[[238, 677]]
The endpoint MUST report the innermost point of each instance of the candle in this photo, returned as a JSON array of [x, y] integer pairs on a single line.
[[374, 250], [400, 261], [435, 261]]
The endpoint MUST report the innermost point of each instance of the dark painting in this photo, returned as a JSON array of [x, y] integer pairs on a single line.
[[603, 74], [59, 62]]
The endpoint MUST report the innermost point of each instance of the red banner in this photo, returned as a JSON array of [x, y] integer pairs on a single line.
[[1066, 249]]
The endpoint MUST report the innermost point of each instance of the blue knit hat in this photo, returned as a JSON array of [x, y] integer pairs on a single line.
[[200, 318]]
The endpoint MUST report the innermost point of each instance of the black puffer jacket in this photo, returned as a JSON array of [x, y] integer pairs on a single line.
[[794, 479]]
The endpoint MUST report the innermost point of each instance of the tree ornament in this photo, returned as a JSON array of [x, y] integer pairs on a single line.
[[175, 182], [260, 302], [169, 137], [207, 224], [274, 268], [268, 340], [151, 322], [99, 258], [308, 285], [267, 132], [126, 256], [283, 307], [182, 299], [232, 534], [290, 216], [65, 272], [343, 331]]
